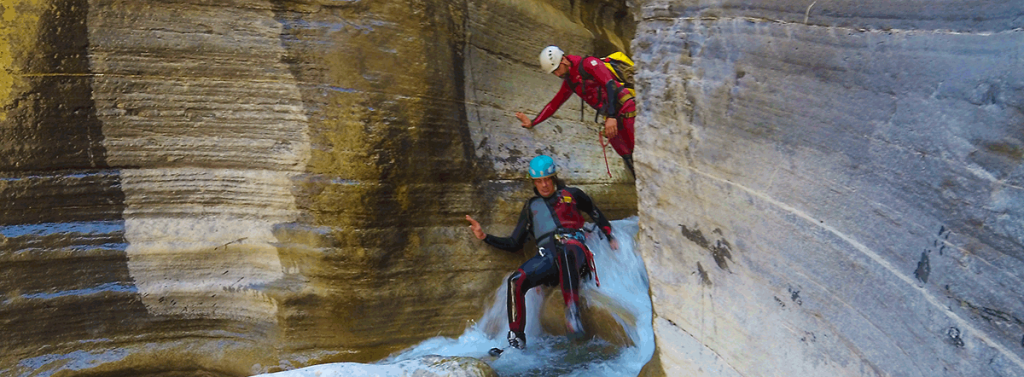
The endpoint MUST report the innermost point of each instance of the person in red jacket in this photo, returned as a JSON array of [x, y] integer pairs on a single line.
[[590, 79], [554, 217]]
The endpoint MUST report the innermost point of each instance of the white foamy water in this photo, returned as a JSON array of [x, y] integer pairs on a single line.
[[623, 284]]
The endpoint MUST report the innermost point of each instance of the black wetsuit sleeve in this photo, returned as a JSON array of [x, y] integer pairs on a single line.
[[516, 241], [586, 205]]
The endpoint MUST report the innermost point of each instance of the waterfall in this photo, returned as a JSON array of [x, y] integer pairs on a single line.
[[623, 292], [623, 280]]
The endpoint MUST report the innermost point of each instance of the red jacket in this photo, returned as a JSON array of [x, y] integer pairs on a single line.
[[593, 90]]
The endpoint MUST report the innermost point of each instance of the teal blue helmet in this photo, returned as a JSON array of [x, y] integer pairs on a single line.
[[542, 166]]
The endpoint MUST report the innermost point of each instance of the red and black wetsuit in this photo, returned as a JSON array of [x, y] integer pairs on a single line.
[[594, 91], [556, 224]]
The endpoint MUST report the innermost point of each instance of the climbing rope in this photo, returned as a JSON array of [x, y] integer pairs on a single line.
[[604, 150]]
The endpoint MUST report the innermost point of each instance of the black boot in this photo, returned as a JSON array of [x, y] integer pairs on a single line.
[[628, 159], [516, 340]]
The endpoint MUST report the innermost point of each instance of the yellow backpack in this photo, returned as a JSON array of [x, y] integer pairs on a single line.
[[622, 66]]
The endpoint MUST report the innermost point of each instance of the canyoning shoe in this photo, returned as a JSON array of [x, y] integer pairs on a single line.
[[516, 341], [573, 324]]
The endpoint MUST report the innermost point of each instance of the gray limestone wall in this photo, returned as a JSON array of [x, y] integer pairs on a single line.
[[833, 188]]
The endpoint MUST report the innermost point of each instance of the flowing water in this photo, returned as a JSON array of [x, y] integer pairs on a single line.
[[623, 285]]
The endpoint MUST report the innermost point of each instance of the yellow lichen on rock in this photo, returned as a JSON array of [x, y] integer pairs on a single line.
[[20, 19]]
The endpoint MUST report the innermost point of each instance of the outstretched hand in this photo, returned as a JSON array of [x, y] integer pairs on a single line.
[[614, 244], [475, 227], [527, 123]]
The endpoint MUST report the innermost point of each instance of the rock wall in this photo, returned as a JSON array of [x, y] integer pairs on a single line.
[[833, 188], [229, 188]]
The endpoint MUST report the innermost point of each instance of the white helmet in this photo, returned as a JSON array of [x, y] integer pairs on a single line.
[[550, 57]]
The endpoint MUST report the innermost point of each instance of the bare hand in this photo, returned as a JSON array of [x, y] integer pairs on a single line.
[[614, 244], [527, 123], [475, 227], [611, 127]]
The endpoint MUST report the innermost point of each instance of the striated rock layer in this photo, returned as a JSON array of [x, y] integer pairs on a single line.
[[833, 188], [229, 188]]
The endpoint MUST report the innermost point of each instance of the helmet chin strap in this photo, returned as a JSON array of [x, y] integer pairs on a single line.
[[567, 65]]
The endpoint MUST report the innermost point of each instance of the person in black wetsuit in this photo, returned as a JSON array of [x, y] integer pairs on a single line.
[[553, 217]]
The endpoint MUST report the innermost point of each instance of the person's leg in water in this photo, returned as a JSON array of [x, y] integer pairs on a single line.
[[623, 141], [538, 270], [570, 262]]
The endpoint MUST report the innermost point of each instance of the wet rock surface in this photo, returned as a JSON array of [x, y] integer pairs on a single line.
[[600, 316], [243, 187], [832, 188]]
